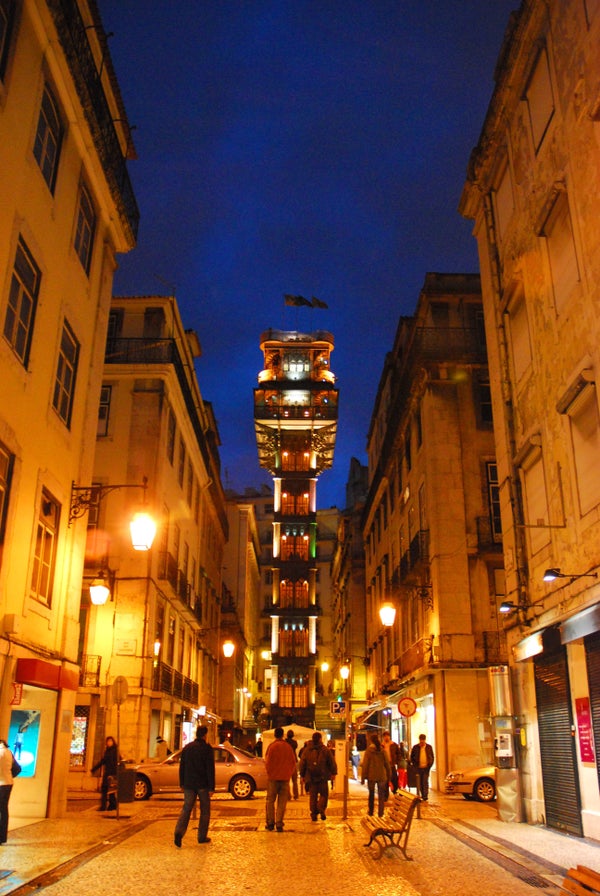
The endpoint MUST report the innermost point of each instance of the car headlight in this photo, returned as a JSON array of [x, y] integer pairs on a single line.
[[454, 776]]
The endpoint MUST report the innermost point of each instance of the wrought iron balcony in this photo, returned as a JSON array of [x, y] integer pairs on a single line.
[[88, 84]]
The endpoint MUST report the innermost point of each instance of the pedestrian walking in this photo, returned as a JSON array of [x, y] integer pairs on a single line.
[[421, 759], [196, 779], [109, 763], [376, 772], [280, 761], [392, 753], [317, 768], [6, 786], [294, 745]]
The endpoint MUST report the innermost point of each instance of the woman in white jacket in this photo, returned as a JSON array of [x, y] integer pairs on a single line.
[[6, 785]]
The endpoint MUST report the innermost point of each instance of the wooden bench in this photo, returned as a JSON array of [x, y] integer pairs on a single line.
[[581, 881], [393, 827]]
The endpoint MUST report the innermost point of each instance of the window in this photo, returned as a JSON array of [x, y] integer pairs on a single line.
[[85, 228], [483, 401], [519, 337], [503, 202], [22, 303], [181, 466], [48, 137], [539, 99], [493, 494], [535, 500], [7, 20], [104, 411], [66, 373], [46, 538], [171, 431], [562, 256], [6, 467], [585, 438]]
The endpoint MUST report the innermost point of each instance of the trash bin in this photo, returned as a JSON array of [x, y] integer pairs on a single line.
[[126, 785]]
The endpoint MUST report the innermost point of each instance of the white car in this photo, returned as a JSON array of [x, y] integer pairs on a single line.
[[474, 783], [236, 771]]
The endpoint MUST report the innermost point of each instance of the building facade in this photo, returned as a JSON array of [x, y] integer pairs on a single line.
[[432, 531], [242, 580], [531, 192], [161, 629], [295, 415], [348, 609], [67, 210]]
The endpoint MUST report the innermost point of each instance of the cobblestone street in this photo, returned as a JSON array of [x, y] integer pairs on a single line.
[[457, 849]]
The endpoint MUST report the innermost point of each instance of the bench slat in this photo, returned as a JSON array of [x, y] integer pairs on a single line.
[[582, 881]]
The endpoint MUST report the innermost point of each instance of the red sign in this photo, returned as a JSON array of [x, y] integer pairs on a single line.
[[17, 693], [584, 729], [407, 706]]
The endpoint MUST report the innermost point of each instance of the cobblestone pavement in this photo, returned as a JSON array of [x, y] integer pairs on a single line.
[[458, 849]]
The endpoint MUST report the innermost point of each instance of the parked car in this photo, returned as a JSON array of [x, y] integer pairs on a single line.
[[473, 783], [236, 771]]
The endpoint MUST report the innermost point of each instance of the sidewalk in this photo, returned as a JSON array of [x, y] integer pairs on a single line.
[[34, 849]]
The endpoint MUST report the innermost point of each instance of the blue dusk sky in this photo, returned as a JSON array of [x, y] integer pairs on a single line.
[[312, 148]]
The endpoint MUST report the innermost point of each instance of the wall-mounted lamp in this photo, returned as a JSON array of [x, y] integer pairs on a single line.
[[507, 606], [345, 672], [228, 646], [102, 587], [228, 649], [554, 573], [142, 526], [387, 614]]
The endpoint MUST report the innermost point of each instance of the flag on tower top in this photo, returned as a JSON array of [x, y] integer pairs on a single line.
[[297, 301], [317, 303]]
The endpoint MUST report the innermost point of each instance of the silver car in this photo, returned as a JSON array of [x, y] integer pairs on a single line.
[[474, 783], [236, 771]]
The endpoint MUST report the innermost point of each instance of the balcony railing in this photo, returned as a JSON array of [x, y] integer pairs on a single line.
[[88, 84], [169, 681], [169, 571], [417, 555]]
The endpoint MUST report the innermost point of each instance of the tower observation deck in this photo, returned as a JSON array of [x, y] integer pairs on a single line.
[[295, 419]]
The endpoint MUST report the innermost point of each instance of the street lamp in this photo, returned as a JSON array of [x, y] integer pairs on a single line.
[[387, 614], [142, 526]]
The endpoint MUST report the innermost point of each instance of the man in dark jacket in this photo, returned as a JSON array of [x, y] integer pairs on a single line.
[[421, 758], [196, 779], [317, 768]]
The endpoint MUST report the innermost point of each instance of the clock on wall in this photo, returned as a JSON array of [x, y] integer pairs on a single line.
[[407, 706]]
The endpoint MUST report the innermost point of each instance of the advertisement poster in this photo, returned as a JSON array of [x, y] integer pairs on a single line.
[[23, 738], [584, 728]]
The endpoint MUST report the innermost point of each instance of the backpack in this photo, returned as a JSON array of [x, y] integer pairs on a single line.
[[317, 764], [16, 768]]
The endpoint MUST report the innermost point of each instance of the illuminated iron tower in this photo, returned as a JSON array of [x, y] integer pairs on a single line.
[[295, 417]]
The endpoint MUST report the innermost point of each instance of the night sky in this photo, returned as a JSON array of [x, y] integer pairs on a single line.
[[312, 148]]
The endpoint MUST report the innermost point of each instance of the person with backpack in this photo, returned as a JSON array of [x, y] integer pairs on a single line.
[[317, 768]]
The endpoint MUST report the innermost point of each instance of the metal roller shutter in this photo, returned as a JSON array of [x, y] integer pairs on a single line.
[[557, 744], [592, 657]]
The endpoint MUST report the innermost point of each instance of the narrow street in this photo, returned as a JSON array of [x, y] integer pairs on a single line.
[[458, 848]]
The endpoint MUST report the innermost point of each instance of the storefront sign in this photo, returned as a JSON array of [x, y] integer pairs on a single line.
[[17, 694], [584, 729]]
